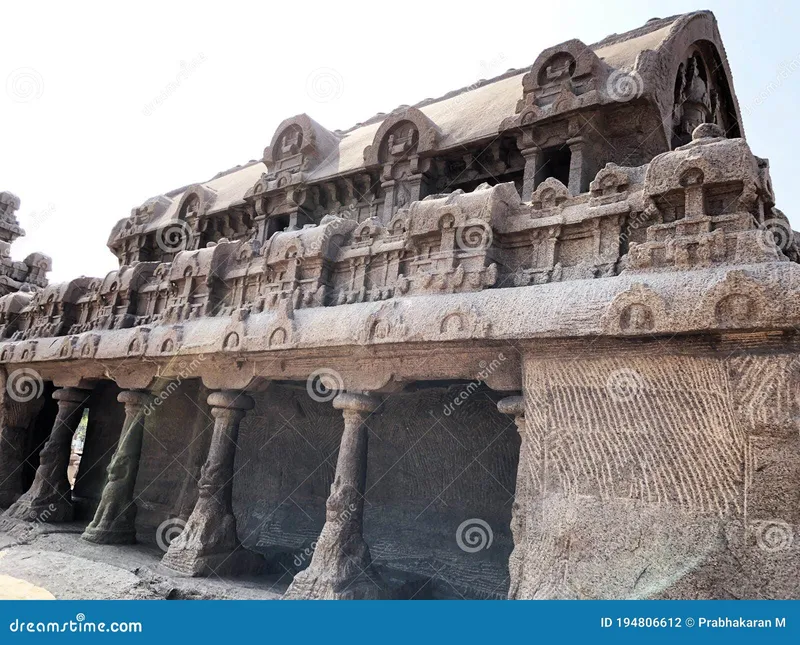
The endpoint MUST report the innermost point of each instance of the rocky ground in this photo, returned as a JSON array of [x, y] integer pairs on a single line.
[[46, 561]]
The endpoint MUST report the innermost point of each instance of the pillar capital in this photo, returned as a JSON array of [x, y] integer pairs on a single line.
[[514, 406], [356, 402], [134, 398], [71, 395], [231, 399]]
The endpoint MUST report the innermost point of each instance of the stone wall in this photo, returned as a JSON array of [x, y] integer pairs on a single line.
[[658, 474], [430, 469]]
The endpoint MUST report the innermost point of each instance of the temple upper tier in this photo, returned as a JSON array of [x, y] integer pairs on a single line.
[[623, 156]]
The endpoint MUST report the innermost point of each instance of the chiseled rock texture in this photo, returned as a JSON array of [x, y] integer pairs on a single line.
[[536, 338]]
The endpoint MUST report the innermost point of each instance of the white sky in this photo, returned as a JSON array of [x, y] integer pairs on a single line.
[[84, 148]]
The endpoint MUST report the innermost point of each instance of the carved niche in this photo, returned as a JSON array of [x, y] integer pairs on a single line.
[[562, 78], [548, 197], [701, 94], [609, 186], [737, 300], [299, 144], [398, 148], [637, 310]]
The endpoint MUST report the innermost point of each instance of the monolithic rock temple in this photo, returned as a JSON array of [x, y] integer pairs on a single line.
[[536, 338]]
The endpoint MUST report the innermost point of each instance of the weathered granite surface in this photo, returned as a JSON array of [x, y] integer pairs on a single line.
[[536, 339]]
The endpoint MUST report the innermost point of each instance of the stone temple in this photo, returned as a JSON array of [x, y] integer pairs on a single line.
[[536, 338]]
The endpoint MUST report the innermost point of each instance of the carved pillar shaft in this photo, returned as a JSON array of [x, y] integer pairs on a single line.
[[341, 567], [515, 406], [114, 519], [49, 498], [208, 541], [532, 156], [694, 204], [17, 419], [578, 166]]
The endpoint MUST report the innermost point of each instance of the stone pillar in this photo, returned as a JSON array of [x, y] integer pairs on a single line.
[[531, 156], [113, 521], [341, 567], [578, 166], [208, 542], [17, 420], [49, 498], [515, 406]]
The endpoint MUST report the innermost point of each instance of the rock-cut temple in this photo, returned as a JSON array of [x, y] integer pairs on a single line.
[[537, 338]]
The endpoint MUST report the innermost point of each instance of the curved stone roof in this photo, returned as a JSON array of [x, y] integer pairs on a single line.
[[472, 113]]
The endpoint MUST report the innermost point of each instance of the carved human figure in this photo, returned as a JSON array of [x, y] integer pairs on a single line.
[[49, 498], [341, 567], [113, 521], [208, 543]]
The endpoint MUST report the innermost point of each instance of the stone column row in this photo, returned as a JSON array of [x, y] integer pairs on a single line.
[[341, 567]]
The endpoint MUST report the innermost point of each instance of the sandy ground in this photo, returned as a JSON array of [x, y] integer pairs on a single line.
[[51, 561]]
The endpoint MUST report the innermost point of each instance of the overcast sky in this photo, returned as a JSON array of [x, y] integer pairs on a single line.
[[108, 104]]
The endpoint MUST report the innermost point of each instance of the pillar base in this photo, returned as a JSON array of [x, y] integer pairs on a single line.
[[195, 564], [56, 511], [341, 569], [109, 536], [208, 546]]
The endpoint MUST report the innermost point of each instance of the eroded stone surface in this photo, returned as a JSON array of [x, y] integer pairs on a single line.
[[609, 275]]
